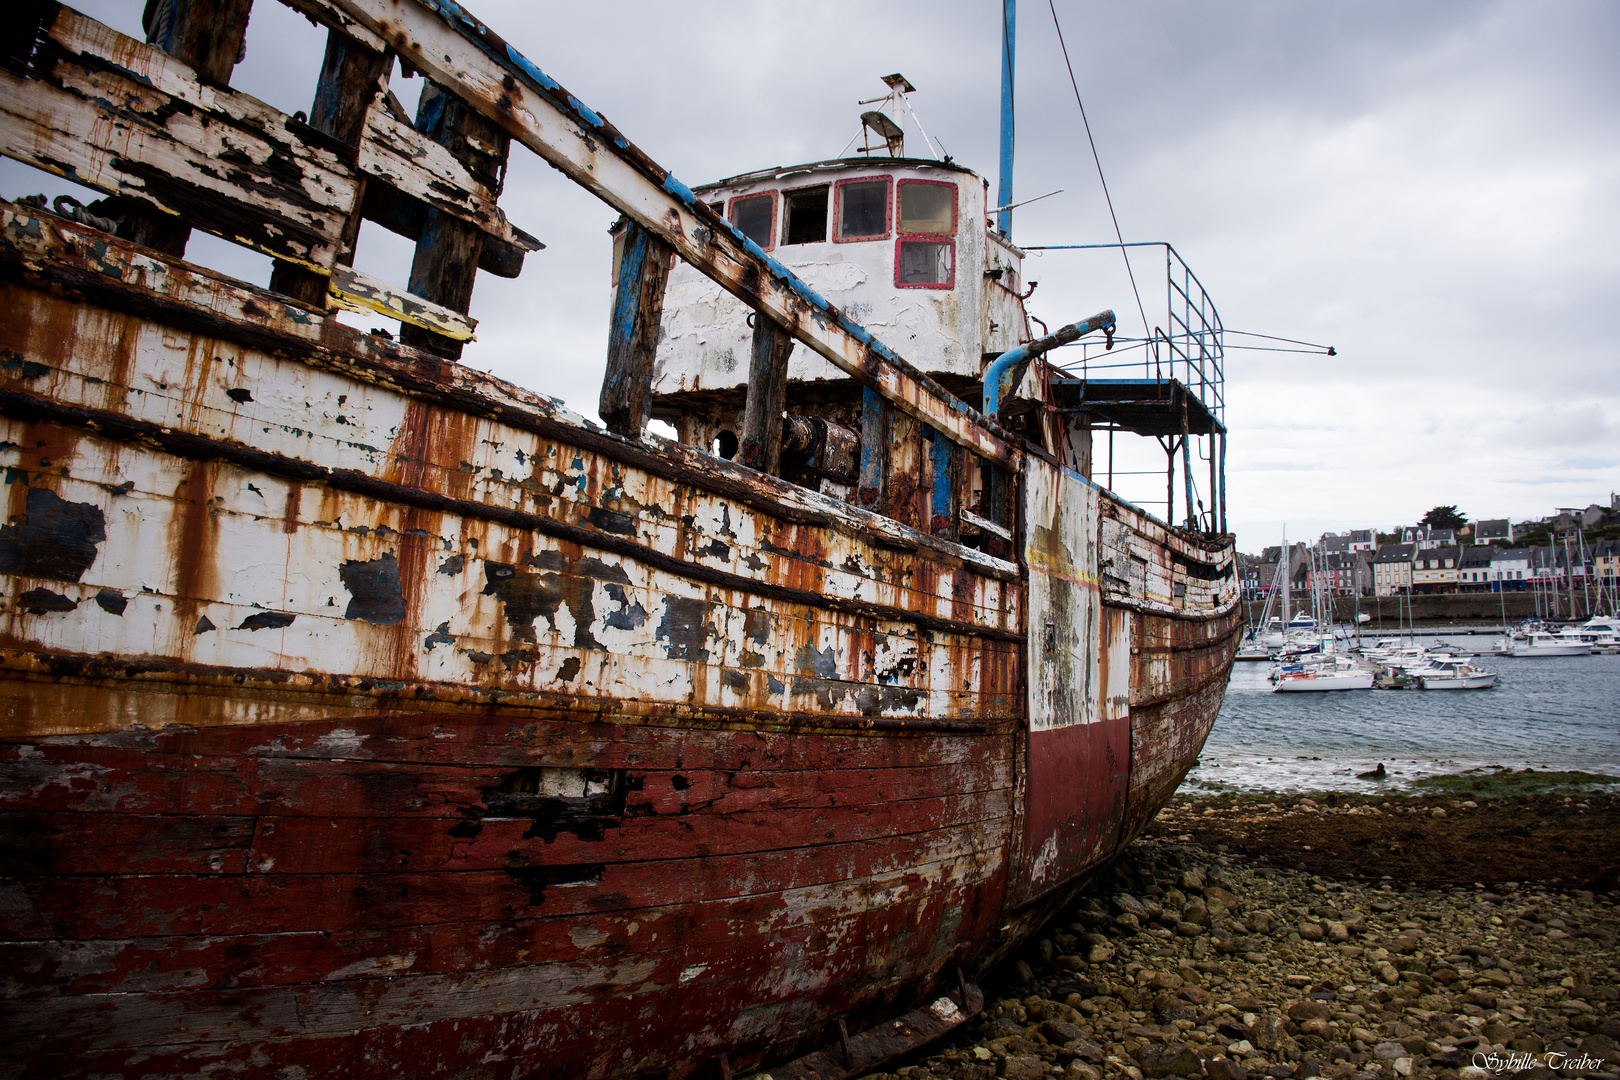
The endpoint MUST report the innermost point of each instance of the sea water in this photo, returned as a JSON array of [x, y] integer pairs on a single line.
[[1560, 713]]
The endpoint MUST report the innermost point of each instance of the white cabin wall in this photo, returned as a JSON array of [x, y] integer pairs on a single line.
[[705, 339]]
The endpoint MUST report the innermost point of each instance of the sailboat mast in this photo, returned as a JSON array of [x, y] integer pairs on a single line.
[[1288, 583], [1004, 189]]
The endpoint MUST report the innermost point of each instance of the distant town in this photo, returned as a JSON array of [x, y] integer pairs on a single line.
[[1573, 551]]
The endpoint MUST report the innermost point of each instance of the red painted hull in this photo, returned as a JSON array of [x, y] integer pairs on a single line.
[[356, 898]]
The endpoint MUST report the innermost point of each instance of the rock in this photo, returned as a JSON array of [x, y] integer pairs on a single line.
[[1189, 929], [1445, 976], [1310, 931], [1087, 1051], [1267, 1031], [1368, 1037], [1059, 1032], [1403, 1066], [1067, 962], [1099, 954], [1316, 1026], [1472, 1072], [1309, 1009], [1023, 972], [1080, 1070], [1169, 1059], [1192, 880], [1483, 998], [1130, 905], [1387, 974], [1337, 931], [1219, 1068], [1388, 1051], [1128, 921], [1022, 1068], [1217, 895]]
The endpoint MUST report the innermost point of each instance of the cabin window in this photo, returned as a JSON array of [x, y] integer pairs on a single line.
[[754, 216], [927, 206], [863, 209], [804, 216], [929, 264]]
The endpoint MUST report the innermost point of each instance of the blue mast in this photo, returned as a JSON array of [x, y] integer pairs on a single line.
[[1004, 196]]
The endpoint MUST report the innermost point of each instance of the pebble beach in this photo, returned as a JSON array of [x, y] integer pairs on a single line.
[[1224, 944]]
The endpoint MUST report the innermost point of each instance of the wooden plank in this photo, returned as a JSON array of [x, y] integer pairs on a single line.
[[906, 479], [457, 51], [401, 214], [349, 72], [767, 396], [423, 169], [873, 484], [334, 18], [360, 292], [130, 120], [625, 404], [945, 460], [448, 249]]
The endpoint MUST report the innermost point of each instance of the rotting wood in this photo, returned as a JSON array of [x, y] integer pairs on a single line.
[[207, 36], [351, 289], [349, 71], [403, 215], [426, 171], [861, 1053], [56, 254], [31, 408], [625, 404], [761, 446], [448, 248], [456, 50], [164, 139]]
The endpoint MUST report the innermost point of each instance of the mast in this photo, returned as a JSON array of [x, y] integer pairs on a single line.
[[1004, 190], [1288, 583]]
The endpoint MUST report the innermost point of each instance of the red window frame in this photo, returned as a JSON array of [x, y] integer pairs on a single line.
[[838, 209], [929, 238], [948, 239], [955, 210], [776, 217]]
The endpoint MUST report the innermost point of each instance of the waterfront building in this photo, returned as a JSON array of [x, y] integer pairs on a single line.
[[1435, 569], [1509, 569], [1493, 531], [1474, 569], [1392, 569]]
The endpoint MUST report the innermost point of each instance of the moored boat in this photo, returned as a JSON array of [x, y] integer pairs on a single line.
[[1341, 673], [1454, 675], [369, 715]]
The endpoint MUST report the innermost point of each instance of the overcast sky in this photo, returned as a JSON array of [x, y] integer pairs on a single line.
[[1433, 189]]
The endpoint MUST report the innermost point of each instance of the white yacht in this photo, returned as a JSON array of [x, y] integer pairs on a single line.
[[1455, 675]]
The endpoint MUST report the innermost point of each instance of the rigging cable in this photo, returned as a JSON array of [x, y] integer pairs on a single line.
[[1107, 197]]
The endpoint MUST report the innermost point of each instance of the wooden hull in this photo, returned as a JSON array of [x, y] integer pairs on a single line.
[[363, 715], [237, 898], [359, 713]]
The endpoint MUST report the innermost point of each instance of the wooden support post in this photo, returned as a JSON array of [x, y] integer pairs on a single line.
[[767, 395], [1214, 488], [206, 36], [946, 509], [906, 488], [448, 249], [875, 411], [638, 305], [349, 80], [1078, 437]]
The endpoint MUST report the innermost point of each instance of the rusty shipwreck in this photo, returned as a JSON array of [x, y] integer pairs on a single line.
[[364, 715]]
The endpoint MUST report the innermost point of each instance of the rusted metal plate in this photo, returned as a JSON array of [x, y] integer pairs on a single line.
[[119, 115]]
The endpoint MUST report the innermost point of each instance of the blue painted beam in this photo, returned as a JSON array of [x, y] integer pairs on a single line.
[[1004, 188]]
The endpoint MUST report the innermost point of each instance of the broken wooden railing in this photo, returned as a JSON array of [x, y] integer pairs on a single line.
[[153, 128]]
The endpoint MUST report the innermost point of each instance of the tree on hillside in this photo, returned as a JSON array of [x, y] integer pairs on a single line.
[[1444, 517]]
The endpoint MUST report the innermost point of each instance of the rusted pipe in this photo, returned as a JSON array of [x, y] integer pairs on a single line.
[[1004, 374]]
